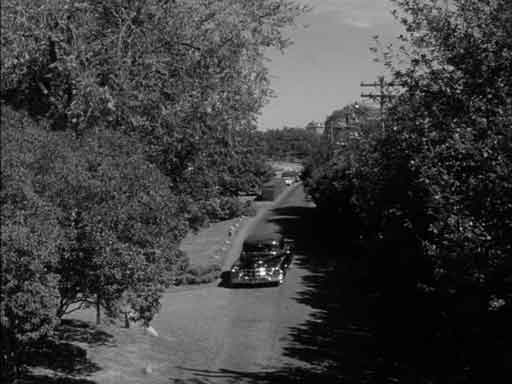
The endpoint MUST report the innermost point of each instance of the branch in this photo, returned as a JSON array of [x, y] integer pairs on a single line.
[[189, 46], [66, 312], [63, 309], [119, 39]]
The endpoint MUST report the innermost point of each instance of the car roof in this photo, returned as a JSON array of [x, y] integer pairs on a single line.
[[265, 238]]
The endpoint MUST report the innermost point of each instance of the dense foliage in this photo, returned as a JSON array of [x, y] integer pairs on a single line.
[[430, 197], [120, 121], [343, 123], [289, 144], [84, 221]]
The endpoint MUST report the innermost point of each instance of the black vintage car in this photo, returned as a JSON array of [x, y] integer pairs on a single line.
[[290, 177], [262, 261]]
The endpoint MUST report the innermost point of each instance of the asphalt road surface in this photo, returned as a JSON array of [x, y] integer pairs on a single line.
[[327, 323], [269, 334], [337, 318]]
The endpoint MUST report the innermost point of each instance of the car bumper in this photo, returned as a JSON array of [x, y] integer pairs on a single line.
[[255, 280]]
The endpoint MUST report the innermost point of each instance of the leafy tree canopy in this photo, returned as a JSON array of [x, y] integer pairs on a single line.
[[126, 102], [294, 144], [429, 198]]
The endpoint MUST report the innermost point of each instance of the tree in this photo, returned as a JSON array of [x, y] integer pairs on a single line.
[[433, 191], [180, 77], [344, 122], [30, 239], [289, 143], [173, 73], [439, 173], [83, 222], [123, 99], [455, 128]]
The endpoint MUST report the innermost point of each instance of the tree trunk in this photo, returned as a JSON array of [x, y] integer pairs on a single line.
[[98, 310], [126, 320]]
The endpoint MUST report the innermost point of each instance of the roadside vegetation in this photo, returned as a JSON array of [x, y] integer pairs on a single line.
[[125, 124], [288, 144], [426, 198]]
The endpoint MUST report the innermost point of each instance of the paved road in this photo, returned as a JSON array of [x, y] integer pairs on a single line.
[[244, 334], [325, 324]]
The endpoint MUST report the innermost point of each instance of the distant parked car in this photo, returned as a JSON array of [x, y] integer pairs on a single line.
[[262, 261], [290, 177]]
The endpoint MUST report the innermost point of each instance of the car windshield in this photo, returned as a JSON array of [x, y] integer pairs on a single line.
[[260, 247]]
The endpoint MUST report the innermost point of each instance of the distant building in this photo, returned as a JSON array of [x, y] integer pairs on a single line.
[[315, 127]]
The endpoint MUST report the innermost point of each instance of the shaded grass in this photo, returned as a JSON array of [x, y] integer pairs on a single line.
[[63, 357], [101, 354]]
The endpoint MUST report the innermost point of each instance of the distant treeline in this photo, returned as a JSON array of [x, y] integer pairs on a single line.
[[289, 144]]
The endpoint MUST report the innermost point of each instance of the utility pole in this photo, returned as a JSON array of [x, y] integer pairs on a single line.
[[381, 96]]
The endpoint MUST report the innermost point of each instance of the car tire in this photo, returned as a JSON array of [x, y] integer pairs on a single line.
[[280, 278]]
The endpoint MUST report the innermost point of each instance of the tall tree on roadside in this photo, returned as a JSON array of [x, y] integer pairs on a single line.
[[31, 237], [453, 125]]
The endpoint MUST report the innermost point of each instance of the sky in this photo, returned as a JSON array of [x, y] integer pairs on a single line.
[[330, 56]]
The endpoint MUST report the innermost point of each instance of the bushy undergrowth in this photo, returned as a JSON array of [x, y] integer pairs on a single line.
[[198, 274], [222, 208], [248, 209], [218, 209]]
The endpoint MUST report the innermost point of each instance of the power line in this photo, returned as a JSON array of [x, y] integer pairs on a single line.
[[382, 96]]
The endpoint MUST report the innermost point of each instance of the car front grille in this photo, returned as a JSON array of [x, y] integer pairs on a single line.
[[254, 273]]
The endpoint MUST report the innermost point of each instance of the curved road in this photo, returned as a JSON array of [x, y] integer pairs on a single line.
[[236, 335]]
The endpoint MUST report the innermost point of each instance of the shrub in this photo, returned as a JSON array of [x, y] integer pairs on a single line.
[[199, 274], [249, 209], [219, 209]]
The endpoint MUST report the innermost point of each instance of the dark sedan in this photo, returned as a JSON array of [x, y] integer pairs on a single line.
[[290, 177], [262, 261]]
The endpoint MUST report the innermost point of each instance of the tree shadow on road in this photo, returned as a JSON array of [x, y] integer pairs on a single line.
[[373, 325], [337, 343], [367, 332], [339, 340], [291, 375], [48, 379]]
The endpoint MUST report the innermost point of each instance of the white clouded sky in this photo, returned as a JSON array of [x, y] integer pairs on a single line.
[[322, 70], [359, 13]]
